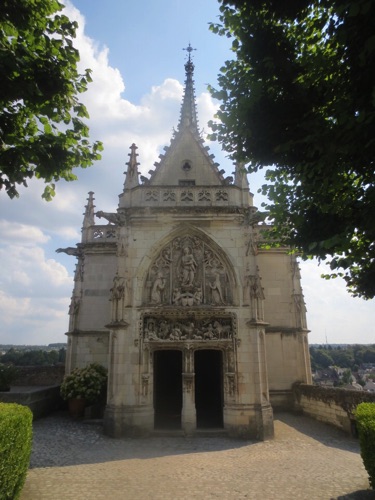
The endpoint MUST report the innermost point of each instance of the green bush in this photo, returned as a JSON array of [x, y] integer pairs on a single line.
[[15, 448], [365, 416], [85, 383]]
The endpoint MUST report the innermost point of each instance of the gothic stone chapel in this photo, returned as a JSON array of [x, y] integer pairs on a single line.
[[199, 326]]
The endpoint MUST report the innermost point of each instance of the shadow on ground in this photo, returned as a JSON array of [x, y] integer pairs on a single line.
[[62, 441], [324, 433]]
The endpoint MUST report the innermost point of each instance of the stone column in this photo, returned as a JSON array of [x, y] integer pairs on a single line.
[[126, 413], [249, 414], [188, 414]]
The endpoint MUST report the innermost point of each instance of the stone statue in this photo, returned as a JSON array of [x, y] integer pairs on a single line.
[[188, 267], [216, 293], [73, 312], [158, 289], [176, 297], [118, 292]]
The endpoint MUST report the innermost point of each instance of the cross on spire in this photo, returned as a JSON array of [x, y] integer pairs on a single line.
[[189, 49]]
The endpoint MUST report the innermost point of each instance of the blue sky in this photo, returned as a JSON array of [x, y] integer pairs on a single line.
[[135, 52]]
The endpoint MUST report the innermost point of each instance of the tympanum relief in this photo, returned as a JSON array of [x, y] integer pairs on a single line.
[[186, 273]]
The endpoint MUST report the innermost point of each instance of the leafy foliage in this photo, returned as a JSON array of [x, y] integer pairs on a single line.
[[85, 383], [299, 98], [365, 417], [41, 129], [351, 356], [36, 357], [15, 448]]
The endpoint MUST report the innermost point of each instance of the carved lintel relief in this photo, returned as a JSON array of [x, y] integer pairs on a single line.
[[180, 329], [187, 273]]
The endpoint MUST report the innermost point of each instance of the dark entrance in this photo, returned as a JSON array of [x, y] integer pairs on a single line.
[[167, 389], [208, 388]]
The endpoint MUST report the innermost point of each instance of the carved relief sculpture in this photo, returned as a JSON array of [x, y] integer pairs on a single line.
[[181, 329], [73, 312], [254, 295], [158, 289], [186, 273], [118, 297]]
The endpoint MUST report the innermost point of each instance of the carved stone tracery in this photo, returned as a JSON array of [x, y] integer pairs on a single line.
[[188, 272]]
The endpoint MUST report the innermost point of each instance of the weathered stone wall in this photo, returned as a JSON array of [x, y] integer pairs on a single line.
[[331, 405], [39, 375], [40, 400]]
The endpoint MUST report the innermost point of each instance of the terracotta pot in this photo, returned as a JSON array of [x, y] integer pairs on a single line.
[[76, 407]]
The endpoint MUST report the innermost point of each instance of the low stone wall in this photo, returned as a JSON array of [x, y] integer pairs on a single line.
[[331, 405], [39, 375], [40, 400]]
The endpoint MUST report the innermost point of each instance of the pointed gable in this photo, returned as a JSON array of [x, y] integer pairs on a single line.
[[187, 161]]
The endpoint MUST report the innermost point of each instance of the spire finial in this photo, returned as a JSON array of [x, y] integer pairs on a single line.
[[89, 217], [131, 179], [189, 49], [188, 116]]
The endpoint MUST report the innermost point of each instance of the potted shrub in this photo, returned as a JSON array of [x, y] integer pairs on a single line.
[[83, 386], [8, 373]]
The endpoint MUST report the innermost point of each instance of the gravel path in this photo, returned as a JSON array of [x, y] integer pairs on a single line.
[[306, 460]]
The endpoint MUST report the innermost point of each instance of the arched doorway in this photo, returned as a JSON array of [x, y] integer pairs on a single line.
[[167, 389], [208, 367]]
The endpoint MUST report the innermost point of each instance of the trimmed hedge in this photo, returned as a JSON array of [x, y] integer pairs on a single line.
[[15, 448], [365, 417]]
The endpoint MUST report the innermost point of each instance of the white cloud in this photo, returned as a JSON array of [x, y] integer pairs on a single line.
[[15, 232], [332, 313], [36, 283]]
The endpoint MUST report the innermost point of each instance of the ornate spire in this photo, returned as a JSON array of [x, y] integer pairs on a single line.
[[88, 219], [188, 116], [131, 179], [240, 178]]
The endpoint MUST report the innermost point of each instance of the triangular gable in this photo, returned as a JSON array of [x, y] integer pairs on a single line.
[[186, 163]]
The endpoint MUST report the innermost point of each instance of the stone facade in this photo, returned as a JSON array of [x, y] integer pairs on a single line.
[[198, 324]]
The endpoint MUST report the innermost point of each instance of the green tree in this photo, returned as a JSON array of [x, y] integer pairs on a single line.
[[41, 129], [321, 358], [347, 377], [343, 358], [299, 98]]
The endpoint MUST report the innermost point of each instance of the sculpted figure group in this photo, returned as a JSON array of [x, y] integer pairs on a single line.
[[187, 273], [212, 329]]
